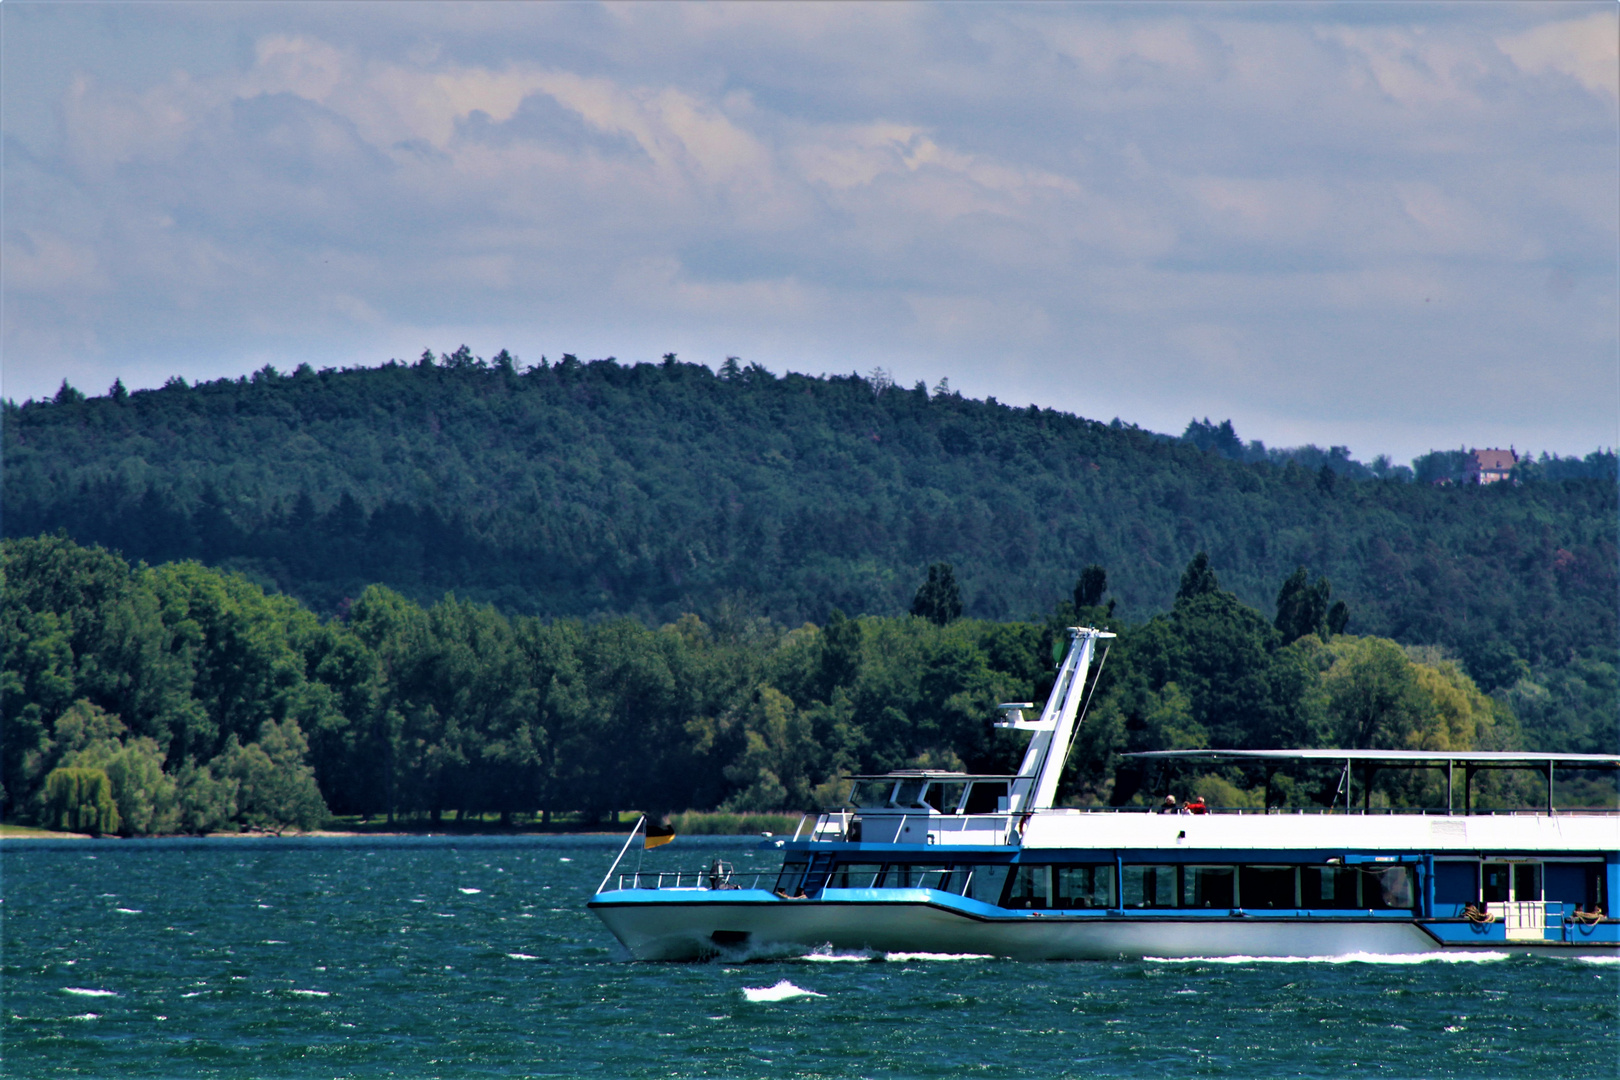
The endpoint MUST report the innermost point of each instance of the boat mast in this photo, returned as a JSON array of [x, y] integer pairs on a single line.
[[1035, 786]]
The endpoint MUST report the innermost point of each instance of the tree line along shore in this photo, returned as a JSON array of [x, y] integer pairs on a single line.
[[180, 698]]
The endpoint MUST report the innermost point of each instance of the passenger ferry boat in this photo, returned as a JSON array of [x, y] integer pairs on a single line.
[[929, 861]]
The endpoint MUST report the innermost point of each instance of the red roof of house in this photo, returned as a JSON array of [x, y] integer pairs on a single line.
[[1494, 460]]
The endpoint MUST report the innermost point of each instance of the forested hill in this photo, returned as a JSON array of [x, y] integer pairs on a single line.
[[651, 490]]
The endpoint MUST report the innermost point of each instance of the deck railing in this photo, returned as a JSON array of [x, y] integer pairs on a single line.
[[956, 880], [696, 879]]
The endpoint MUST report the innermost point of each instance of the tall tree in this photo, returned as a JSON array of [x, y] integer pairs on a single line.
[[1088, 591], [938, 599]]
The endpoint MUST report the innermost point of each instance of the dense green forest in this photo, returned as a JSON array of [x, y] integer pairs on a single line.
[[179, 697], [651, 490]]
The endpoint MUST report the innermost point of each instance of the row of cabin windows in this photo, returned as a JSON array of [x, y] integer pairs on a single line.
[[1212, 887], [1063, 886], [1138, 886]]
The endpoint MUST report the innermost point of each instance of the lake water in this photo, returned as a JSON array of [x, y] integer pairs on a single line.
[[477, 958]]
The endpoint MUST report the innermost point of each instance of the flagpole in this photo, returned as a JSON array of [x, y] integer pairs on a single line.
[[639, 823]]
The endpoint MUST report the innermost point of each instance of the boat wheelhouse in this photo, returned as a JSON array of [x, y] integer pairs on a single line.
[[937, 861]]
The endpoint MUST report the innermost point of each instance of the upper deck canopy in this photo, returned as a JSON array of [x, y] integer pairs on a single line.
[[1370, 761], [1466, 758]]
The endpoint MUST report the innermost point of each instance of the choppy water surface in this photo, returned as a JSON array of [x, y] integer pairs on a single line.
[[448, 958]]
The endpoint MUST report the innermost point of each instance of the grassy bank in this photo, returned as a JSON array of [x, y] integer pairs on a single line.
[[718, 823]]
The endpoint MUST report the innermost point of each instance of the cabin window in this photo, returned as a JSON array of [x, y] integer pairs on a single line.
[[791, 877], [909, 795], [871, 794], [1150, 886], [985, 797], [1329, 886], [1388, 888], [856, 876], [1209, 887], [926, 876], [1083, 886], [1031, 887], [944, 796], [986, 881], [1265, 887], [1493, 882]]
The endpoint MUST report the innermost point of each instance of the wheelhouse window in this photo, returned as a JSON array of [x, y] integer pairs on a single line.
[[944, 796], [1083, 886], [871, 794], [909, 795], [1209, 887], [1149, 886], [985, 796]]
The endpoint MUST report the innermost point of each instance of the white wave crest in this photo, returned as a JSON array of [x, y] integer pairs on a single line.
[[1346, 958], [129, 910], [83, 991], [521, 956], [472, 892], [311, 993], [827, 956], [782, 991], [86, 1016], [904, 957], [1599, 959]]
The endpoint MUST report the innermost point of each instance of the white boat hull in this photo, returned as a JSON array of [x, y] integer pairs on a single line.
[[667, 930]]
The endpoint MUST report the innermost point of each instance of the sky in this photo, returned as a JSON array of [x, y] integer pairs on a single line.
[[1394, 227]]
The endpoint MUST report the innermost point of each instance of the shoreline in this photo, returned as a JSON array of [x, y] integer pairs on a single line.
[[23, 832]]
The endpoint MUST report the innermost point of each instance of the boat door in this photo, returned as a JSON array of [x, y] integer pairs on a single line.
[[1512, 892]]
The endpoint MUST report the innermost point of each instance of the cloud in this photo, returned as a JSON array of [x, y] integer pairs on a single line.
[[1278, 212], [1588, 50]]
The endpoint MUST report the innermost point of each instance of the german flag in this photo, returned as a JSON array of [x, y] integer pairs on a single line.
[[658, 834]]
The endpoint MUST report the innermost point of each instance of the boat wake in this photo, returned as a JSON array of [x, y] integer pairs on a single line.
[[825, 955], [782, 991], [1346, 958], [819, 957], [910, 957]]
